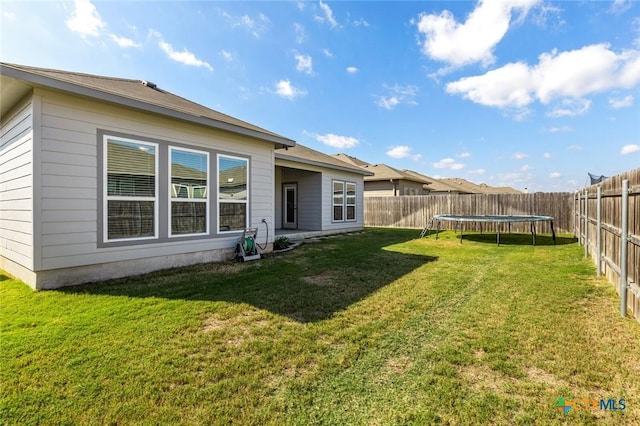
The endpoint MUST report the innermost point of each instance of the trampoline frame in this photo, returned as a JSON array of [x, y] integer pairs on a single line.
[[497, 219]]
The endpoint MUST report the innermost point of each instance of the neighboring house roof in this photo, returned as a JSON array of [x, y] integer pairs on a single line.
[[305, 155], [142, 95], [479, 189], [384, 172], [463, 184], [351, 160], [498, 189], [435, 185]]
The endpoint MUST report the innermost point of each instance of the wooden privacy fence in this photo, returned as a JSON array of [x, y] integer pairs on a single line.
[[607, 223], [416, 211]]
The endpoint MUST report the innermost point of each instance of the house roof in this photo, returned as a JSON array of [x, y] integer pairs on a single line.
[[138, 94], [306, 155], [435, 185], [385, 172], [351, 160], [498, 189], [483, 188]]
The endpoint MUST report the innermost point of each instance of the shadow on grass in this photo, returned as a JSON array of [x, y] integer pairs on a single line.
[[308, 284], [517, 239]]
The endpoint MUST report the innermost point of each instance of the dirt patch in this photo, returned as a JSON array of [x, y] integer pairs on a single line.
[[245, 321], [399, 365], [540, 376], [482, 378], [323, 280]]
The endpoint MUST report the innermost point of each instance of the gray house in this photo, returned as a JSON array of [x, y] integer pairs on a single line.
[[103, 177]]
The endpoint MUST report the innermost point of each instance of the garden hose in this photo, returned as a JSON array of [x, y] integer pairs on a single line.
[[249, 245]]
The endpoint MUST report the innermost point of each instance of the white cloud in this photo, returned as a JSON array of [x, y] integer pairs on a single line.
[[477, 171], [257, 25], [352, 70], [9, 15], [85, 19], [630, 149], [473, 41], [464, 155], [519, 156], [548, 16], [397, 95], [360, 23], [526, 168], [627, 101], [546, 155], [335, 141], [328, 15], [402, 151], [123, 41], [554, 129], [620, 6], [509, 86], [327, 53], [226, 55], [570, 108], [285, 89], [574, 147], [305, 64], [448, 163], [555, 175], [301, 35], [571, 74], [184, 57]]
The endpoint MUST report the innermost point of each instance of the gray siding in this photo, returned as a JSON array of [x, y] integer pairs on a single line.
[[309, 201], [16, 184], [315, 193], [69, 186], [327, 201]]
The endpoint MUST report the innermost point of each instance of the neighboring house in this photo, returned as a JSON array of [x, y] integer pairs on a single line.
[[104, 177], [387, 181]]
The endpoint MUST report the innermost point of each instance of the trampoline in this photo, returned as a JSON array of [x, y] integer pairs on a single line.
[[458, 219]]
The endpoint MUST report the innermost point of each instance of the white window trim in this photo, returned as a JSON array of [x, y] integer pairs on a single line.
[[355, 203], [105, 186], [190, 199], [246, 202]]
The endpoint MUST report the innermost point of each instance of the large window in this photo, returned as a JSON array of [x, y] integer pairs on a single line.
[[131, 190], [233, 197], [189, 184], [344, 201], [351, 201], [338, 201], [154, 191]]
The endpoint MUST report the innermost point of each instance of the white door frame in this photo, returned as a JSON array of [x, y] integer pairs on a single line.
[[290, 212]]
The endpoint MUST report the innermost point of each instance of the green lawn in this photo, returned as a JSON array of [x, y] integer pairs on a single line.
[[374, 328]]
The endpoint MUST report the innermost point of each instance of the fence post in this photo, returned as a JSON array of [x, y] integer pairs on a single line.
[[624, 236], [599, 232], [579, 218], [586, 222], [575, 212]]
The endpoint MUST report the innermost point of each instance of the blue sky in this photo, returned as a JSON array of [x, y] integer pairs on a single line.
[[527, 93]]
